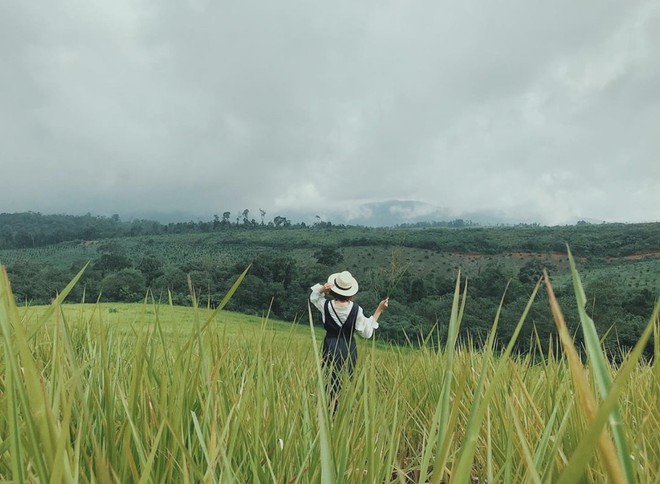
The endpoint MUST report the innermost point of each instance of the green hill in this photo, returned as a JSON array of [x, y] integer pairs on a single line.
[[416, 267]]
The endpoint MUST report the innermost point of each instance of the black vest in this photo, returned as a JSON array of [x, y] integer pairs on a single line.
[[335, 330]]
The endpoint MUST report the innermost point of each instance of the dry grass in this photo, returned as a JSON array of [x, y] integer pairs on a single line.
[[150, 393]]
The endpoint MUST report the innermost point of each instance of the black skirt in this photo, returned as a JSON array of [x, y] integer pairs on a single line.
[[339, 353]]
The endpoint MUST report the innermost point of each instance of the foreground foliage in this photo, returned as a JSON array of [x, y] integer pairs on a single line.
[[96, 393]]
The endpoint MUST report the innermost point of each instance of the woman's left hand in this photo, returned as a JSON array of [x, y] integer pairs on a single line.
[[384, 304]]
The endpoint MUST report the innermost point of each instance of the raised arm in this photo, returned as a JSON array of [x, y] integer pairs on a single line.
[[317, 297], [381, 307], [366, 326]]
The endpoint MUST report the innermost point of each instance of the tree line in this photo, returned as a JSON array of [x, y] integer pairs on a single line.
[[31, 229]]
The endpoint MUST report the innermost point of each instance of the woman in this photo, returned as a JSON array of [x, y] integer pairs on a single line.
[[341, 318]]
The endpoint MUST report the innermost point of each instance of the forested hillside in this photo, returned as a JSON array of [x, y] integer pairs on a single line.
[[416, 266]]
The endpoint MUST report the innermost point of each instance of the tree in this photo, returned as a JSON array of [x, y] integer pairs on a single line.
[[201, 282], [127, 285], [417, 289], [112, 258], [263, 214], [532, 270], [605, 301], [639, 302], [491, 282], [274, 268], [27, 281], [281, 221], [151, 266], [328, 256], [246, 216], [173, 279], [254, 294], [225, 218]]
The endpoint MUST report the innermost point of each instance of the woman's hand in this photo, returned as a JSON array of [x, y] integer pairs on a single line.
[[382, 306], [327, 287]]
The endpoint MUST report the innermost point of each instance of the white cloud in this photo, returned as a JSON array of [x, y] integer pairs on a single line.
[[538, 110]]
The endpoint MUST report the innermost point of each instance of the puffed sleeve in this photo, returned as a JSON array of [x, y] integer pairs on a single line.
[[317, 298], [365, 326]]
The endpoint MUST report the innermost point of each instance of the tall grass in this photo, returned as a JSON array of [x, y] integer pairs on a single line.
[[162, 394]]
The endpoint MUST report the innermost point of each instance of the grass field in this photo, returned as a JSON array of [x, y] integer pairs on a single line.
[[158, 393]]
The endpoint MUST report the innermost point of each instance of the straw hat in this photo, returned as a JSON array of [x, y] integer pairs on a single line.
[[343, 283]]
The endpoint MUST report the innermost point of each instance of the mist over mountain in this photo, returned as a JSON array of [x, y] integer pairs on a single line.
[[389, 213]]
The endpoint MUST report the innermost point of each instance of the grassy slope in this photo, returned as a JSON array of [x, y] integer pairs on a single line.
[[261, 389], [175, 320], [178, 322]]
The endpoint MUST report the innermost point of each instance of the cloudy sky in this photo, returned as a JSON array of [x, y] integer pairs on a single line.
[[540, 111]]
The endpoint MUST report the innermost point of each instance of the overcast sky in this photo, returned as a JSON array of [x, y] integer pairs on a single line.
[[543, 111]]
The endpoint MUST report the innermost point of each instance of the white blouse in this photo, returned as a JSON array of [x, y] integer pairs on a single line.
[[363, 325]]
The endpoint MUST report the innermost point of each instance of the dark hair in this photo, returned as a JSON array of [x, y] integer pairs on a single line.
[[340, 297]]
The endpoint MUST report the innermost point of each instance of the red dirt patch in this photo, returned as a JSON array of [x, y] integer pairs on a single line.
[[650, 254], [555, 256]]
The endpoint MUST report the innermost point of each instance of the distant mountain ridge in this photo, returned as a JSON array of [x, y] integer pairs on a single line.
[[391, 213], [388, 213]]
